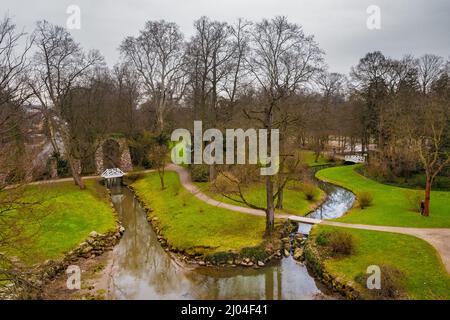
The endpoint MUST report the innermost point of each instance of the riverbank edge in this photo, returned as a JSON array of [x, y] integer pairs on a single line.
[[312, 207], [94, 245], [315, 263], [224, 259], [313, 171]]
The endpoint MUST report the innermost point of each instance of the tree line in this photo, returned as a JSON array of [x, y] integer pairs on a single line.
[[267, 74]]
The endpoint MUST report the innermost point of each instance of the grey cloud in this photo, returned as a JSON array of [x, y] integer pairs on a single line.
[[415, 27]]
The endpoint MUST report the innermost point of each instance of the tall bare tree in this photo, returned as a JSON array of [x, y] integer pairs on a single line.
[[127, 87], [157, 54], [283, 60], [430, 67], [213, 59], [236, 78], [13, 93], [60, 65], [15, 213], [429, 130]]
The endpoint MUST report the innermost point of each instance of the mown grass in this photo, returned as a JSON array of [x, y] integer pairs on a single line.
[[61, 219], [309, 158], [390, 205], [193, 226], [294, 200], [424, 274]]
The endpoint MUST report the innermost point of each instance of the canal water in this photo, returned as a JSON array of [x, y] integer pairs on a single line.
[[142, 269]]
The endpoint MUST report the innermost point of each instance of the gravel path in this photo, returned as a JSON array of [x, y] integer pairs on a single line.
[[439, 238]]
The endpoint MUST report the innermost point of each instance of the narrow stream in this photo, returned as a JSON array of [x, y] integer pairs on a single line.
[[337, 203], [143, 270]]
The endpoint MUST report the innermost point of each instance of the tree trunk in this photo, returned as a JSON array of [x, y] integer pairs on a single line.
[[161, 178], [280, 199], [317, 154], [75, 174], [212, 173], [160, 119], [51, 133], [270, 210], [363, 145], [280, 187], [426, 211]]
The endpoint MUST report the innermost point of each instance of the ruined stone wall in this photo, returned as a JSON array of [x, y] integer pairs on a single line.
[[125, 157]]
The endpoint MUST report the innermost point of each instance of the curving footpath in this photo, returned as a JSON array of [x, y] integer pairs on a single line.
[[439, 238]]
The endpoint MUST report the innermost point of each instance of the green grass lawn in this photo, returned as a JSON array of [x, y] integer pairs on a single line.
[[425, 275], [66, 217], [391, 206], [194, 226], [415, 181], [294, 202], [309, 158]]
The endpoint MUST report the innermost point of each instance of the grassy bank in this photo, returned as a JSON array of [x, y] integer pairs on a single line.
[[61, 219], [424, 274], [294, 199], [193, 226], [309, 158], [391, 205]]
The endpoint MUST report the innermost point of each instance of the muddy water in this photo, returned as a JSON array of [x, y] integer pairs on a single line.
[[143, 270]]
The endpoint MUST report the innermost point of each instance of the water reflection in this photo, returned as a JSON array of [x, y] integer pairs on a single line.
[[143, 270], [338, 202]]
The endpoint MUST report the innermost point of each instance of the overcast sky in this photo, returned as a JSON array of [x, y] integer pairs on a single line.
[[407, 26]]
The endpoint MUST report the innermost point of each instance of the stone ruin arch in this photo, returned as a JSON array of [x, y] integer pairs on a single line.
[[122, 160]]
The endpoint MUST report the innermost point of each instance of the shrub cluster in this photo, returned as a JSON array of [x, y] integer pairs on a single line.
[[310, 191], [225, 183], [337, 242], [199, 172], [365, 199], [391, 284]]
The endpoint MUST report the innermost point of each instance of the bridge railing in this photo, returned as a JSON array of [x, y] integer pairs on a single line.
[[356, 158], [112, 173]]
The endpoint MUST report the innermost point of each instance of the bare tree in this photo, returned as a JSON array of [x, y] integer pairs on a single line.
[[13, 64], [157, 54], [213, 57], [320, 124], [429, 134], [158, 155], [60, 65], [283, 60], [13, 94], [16, 213], [127, 87], [235, 80], [331, 84], [430, 67]]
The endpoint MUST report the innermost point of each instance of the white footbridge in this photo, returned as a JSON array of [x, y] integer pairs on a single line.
[[112, 173], [355, 158], [112, 176]]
